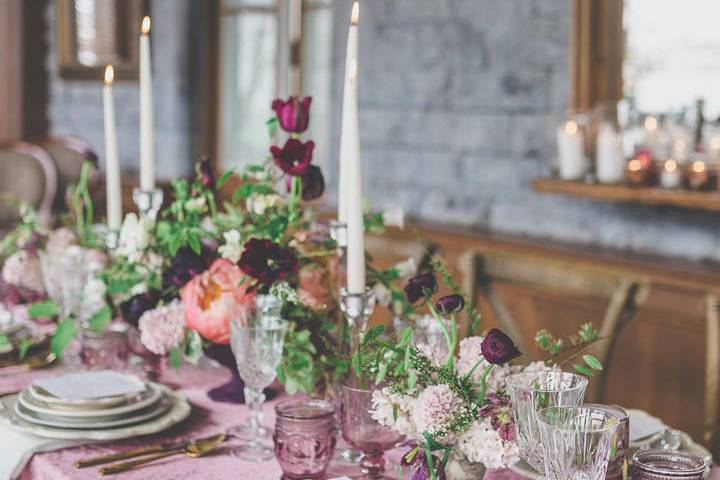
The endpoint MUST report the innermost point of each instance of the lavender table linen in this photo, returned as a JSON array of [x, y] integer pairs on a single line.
[[208, 417]]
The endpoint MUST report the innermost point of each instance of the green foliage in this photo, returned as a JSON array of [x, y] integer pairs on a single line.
[[24, 231], [297, 371], [272, 126], [374, 223], [100, 319], [193, 347], [43, 309], [66, 331], [175, 357], [23, 347], [438, 264], [579, 342], [82, 209]]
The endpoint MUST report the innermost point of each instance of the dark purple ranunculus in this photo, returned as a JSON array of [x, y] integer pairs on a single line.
[[450, 304], [133, 308], [292, 114], [420, 285], [313, 184], [416, 459], [205, 172], [184, 266], [294, 157], [498, 348], [267, 262]]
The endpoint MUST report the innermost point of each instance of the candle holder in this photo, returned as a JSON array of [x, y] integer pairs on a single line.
[[112, 239], [338, 232], [357, 308], [148, 202]]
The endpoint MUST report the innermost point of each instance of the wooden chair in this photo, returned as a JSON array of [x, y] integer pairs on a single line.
[[69, 153], [27, 173], [622, 291]]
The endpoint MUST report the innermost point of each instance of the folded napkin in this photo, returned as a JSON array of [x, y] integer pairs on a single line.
[[19, 447]]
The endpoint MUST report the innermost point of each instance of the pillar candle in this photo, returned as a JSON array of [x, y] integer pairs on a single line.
[[610, 164], [571, 152], [112, 167], [147, 133], [349, 136]]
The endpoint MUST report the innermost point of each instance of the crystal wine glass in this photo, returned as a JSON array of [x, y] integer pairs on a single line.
[[257, 342], [533, 391], [361, 431], [576, 441]]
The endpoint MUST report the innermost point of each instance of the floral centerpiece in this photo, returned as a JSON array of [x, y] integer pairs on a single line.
[[451, 399]]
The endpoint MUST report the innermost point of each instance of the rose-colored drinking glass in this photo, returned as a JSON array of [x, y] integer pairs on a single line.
[[305, 436], [361, 431], [620, 441], [667, 465], [104, 350]]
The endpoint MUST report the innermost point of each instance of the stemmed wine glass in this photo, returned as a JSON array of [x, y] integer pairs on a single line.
[[257, 342]]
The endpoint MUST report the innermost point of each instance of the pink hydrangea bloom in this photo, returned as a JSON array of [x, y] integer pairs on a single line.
[[162, 328], [212, 297], [24, 270], [434, 407], [59, 240], [469, 354]]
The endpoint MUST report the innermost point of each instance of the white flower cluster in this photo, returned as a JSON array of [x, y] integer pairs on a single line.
[[231, 249], [134, 238], [482, 444]]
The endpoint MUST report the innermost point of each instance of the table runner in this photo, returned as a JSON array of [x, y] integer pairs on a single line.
[[208, 417]]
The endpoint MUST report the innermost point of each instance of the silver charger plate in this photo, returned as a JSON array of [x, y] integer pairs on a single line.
[[179, 410], [138, 402], [90, 423]]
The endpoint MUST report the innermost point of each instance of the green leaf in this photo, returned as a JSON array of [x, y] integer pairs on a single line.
[[43, 309], [412, 379], [221, 181], [195, 244], [4, 340], [382, 372], [592, 362], [272, 125], [372, 334], [101, 319], [66, 331], [24, 346], [175, 357], [583, 370], [357, 364], [193, 347]]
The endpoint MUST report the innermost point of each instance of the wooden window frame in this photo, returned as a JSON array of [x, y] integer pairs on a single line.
[[598, 43]]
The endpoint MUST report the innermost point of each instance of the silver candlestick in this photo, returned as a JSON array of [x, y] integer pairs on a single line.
[[112, 239], [338, 232], [357, 308], [148, 202]]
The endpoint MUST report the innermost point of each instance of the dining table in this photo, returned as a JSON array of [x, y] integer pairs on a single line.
[[208, 417]]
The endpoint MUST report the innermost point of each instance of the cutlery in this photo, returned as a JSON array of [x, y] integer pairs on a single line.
[[32, 362], [194, 449]]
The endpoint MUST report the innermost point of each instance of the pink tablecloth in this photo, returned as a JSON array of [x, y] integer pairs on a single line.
[[207, 418]]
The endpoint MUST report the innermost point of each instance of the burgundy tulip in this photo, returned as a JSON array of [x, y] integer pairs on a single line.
[[419, 286], [313, 184], [294, 158], [267, 262], [292, 114], [450, 304], [498, 348]]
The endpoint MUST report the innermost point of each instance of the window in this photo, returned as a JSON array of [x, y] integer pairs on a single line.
[[269, 49]]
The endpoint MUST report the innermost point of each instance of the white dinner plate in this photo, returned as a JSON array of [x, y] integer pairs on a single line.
[[90, 423], [179, 411], [140, 401], [85, 403]]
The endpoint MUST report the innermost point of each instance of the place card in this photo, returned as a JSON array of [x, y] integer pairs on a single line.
[[90, 385]]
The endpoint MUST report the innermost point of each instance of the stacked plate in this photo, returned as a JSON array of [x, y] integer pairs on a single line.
[[101, 404]]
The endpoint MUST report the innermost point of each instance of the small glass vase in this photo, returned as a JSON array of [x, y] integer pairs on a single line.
[[666, 465], [104, 350], [361, 431], [305, 437]]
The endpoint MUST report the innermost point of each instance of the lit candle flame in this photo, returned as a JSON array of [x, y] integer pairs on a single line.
[[355, 13], [634, 165], [651, 123], [571, 127], [109, 75], [670, 165], [145, 27], [698, 166]]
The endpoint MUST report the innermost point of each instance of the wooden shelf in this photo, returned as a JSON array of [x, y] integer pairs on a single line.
[[626, 194]]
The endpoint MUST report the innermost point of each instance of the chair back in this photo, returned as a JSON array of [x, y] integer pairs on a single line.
[[27, 173], [68, 153]]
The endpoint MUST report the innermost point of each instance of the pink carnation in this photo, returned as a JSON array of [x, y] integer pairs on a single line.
[[162, 328], [434, 407], [212, 297], [23, 270]]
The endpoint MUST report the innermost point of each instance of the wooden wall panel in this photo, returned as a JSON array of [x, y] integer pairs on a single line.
[[11, 67]]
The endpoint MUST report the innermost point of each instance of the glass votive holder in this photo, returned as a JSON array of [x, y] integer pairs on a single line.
[[304, 438], [620, 441], [667, 465], [104, 350]]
